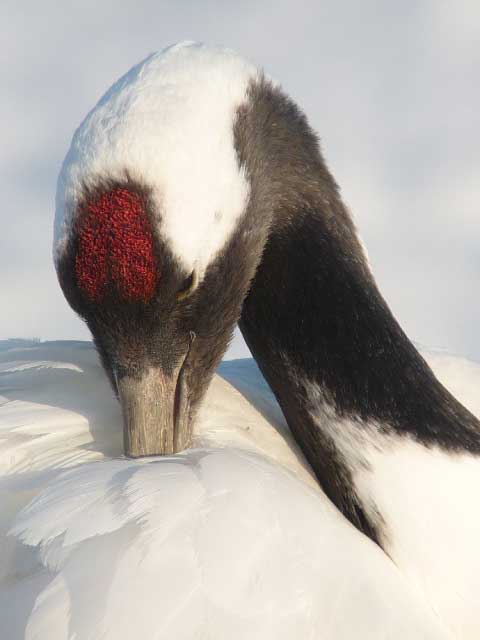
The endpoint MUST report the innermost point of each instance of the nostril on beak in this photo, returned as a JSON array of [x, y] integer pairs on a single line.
[[182, 403], [115, 379]]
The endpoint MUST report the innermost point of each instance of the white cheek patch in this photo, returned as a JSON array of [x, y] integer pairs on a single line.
[[169, 123]]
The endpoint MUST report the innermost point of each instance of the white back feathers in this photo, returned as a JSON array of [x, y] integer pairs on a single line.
[[226, 540], [168, 123]]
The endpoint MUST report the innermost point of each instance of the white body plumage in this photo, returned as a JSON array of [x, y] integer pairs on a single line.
[[231, 539]]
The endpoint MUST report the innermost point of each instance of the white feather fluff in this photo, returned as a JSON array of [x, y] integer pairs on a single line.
[[230, 539]]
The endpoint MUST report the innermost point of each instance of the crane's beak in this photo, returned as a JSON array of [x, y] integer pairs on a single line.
[[155, 413], [156, 410]]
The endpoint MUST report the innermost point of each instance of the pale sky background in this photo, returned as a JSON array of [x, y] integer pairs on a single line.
[[393, 89]]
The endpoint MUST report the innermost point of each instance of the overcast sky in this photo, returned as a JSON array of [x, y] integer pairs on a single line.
[[391, 87]]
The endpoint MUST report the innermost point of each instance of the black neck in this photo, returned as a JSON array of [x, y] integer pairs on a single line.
[[314, 315], [314, 319]]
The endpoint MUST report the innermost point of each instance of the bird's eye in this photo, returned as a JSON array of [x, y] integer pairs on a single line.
[[187, 287]]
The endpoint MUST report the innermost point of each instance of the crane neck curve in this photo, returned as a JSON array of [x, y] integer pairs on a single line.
[[315, 321]]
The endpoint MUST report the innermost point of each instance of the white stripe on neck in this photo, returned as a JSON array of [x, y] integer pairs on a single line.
[[423, 502]]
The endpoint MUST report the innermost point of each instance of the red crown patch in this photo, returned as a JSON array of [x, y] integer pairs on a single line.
[[115, 247]]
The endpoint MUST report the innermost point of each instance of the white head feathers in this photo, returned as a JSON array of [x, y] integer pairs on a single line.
[[168, 122]]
